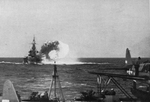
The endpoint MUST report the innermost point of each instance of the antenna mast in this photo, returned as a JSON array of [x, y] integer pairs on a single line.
[[55, 82]]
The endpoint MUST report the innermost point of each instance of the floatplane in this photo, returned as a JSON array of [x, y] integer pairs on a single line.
[[143, 77], [129, 67]]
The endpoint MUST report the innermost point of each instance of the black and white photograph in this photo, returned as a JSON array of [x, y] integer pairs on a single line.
[[74, 51]]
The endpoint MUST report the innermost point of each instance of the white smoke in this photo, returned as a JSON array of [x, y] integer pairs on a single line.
[[63, 49]]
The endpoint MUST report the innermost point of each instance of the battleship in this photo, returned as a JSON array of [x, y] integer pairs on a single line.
[[34, 56]]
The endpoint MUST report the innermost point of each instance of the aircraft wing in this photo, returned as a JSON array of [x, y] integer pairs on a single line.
[[131, 77], [119, 68], [9, 92]]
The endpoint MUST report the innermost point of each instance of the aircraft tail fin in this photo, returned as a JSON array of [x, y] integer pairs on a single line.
[[9, 92], [128, 60]]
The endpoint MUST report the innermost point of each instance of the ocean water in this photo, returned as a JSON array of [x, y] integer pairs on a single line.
[[74, 77]]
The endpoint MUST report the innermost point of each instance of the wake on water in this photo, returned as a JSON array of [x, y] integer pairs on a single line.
[[58, 63], [70, 62], [4, 62]]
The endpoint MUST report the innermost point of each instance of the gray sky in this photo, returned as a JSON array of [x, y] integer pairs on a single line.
[[91, 28]]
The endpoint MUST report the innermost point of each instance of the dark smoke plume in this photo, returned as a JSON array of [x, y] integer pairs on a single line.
[[54, 49]]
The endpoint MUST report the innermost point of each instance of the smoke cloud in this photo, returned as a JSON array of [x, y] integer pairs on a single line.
[[54, 50]]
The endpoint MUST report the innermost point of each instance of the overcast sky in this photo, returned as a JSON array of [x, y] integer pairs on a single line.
[[91, 28]]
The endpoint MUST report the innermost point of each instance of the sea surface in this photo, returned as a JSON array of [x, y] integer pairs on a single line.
[[73, 76]]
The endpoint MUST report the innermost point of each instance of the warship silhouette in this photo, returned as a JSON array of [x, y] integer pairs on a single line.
[[34, 57]]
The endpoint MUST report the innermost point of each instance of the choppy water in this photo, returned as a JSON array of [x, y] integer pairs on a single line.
[[74, 78]]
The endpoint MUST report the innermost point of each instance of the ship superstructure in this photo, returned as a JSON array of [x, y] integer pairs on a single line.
[[34, 56]]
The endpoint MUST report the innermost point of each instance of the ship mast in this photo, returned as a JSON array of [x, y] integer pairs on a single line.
[[34, 47], [33, 50]]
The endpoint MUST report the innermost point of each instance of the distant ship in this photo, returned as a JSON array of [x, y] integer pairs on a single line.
[[34, 56]]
